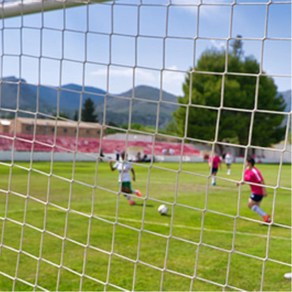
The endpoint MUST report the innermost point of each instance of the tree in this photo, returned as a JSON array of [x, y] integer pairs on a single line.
[[242, 112], [88, 111], [76, 114]]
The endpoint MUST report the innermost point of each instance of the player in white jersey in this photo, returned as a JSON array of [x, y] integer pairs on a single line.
[[125, 170], [228, 162]]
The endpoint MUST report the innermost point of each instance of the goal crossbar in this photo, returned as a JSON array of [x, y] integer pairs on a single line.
[[17, 8]]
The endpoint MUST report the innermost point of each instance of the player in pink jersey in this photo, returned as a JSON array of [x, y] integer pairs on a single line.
[[214, 163], [253, 176]]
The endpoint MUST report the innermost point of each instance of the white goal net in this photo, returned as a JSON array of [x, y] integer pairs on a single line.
[[172, 83]]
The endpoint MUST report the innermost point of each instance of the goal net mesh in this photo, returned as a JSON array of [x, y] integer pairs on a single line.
[[64, 224]]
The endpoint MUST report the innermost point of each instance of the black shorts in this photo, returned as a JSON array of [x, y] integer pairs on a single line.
[[256, 198], [214, 170]]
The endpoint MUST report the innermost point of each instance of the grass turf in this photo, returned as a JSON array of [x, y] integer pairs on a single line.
[[64, 226]]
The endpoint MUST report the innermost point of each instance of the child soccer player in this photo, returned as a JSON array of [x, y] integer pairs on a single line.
[[214, 163], [228, 161], [254, 176], [124, 168]]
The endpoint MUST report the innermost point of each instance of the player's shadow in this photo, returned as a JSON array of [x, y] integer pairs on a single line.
[[147, 205], [165, 215]]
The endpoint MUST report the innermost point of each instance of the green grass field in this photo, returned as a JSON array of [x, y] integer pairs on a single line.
[[63, 226]]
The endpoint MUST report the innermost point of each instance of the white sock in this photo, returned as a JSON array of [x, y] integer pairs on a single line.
[[258, 210], [213, 179]]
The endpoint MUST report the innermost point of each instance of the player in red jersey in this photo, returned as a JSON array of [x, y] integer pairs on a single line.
[[214, 163], [258, 191]]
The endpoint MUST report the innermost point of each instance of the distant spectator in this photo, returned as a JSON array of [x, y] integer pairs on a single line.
[[145, 158], [165, 151], [101, 155], [138, 157], [118, 153], [171, 151]]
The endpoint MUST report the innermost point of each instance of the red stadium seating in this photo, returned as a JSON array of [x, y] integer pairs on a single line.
[[43, 143]]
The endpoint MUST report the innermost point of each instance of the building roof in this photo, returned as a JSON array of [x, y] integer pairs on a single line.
[[59, 123]]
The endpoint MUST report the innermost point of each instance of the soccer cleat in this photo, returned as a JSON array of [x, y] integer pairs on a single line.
[[138, 193], [131, 202], [267, 219], [213, 184]]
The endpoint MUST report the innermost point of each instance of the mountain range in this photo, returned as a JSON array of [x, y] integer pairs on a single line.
[[149, 107]]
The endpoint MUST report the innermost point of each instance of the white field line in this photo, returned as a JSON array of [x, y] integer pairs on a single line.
[[184, 226], [196, 228]]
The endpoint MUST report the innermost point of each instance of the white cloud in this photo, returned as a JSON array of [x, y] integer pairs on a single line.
[[218, 44], [172, 81], [212, 5], [121, 79]]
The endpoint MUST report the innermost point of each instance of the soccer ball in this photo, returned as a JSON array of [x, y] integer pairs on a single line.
[[163, 209]]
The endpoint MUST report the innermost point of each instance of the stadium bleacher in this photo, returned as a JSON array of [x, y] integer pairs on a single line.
[[44, 143]]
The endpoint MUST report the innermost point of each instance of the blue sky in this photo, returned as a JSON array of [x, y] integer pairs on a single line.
[[118, 45]]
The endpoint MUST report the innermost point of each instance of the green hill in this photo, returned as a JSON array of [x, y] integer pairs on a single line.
[[144, 105]]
